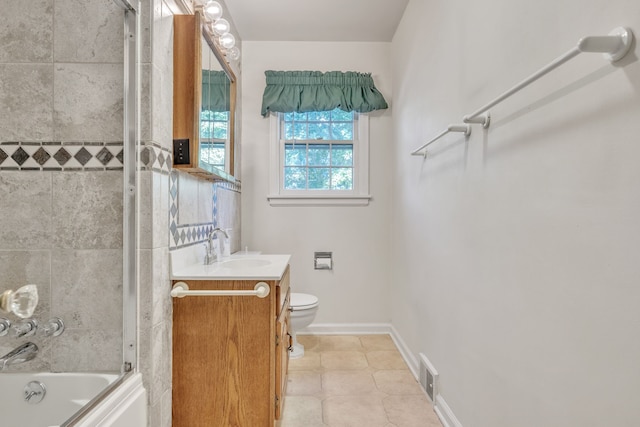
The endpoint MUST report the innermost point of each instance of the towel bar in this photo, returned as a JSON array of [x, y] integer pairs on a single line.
[[181, 290]]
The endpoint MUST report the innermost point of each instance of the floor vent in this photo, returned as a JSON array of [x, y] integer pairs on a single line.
[[428, 377]]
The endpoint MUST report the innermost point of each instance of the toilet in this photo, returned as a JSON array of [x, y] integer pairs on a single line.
[[303, 310]]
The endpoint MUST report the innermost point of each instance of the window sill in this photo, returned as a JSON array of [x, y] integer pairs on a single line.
[[319, 200]]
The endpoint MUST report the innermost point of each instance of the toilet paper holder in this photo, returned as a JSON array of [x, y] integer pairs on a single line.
[[323, 261]]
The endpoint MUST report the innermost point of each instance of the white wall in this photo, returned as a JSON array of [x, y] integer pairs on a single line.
[[356, 290], [516, 254]]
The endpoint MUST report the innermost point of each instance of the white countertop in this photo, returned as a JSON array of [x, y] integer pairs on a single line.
[[188, 264]]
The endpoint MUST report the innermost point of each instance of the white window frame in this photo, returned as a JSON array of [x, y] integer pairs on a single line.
[[358, 196]]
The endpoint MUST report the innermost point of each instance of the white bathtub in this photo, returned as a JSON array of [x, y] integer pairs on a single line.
[[67, 394]]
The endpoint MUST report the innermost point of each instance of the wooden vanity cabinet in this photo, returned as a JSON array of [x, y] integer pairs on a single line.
[[230, 355]]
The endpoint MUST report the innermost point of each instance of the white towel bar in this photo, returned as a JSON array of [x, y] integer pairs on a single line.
[[451, 128], [181, 290], [615, 46]]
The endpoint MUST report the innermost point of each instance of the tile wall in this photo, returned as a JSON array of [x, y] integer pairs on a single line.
[[61, 105], [156, 77], [61, 184], [176, 209]]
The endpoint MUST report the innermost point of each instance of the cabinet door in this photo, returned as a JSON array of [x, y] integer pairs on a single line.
[[223, 360], [284, 342]]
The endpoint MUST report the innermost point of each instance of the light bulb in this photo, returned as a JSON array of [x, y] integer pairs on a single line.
[[22, 302], [227, 41], [233, 53], [220, 27], [213, 10]]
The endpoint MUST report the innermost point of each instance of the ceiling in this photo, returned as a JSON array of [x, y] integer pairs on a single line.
[[325, 20]]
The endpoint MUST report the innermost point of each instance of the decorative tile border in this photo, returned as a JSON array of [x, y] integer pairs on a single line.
[[222, 185], [78, 156], [61, 156], [184, 235], [156, 158]]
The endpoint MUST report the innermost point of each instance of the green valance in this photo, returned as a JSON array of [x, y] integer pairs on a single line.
[[215, 91], [303, 91]]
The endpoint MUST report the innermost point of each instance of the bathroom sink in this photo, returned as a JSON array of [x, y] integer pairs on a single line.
[[188, 264], [245, 263]]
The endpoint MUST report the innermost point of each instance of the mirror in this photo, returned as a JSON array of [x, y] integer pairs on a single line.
[[204, 101], [216, 111]]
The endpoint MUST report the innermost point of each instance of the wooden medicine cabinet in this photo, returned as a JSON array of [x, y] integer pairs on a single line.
[[204, 100]]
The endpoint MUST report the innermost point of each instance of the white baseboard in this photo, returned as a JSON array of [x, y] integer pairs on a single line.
[[346, 329], [444, 412], [404, 350]]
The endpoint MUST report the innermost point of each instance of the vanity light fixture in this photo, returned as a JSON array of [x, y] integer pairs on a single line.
[[227, 41], [233, 53], [22, 302], [220, 29], [213, 11]]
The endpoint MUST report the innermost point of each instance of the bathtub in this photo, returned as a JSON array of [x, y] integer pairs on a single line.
[[74, 399]]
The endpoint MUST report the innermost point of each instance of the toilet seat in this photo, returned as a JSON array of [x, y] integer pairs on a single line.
[[302, 301]]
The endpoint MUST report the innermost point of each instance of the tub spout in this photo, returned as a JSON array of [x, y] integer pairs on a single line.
[[22, 354]]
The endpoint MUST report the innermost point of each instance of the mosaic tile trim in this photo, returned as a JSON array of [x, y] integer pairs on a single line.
[[61, 156], [184, 235], [156, 158]]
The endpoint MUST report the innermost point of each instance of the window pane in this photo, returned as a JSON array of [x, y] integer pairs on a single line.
[[319, 178], [300, 116], [319, 155], [339, 115], [288, 117], [342, 131], [213, 154], [319, 131], [300, 131], [222, 116], [288, 131], [295, 178], [320, 116], [206, 130], [342, 178], [342, 155], [220, 130], [295, 154]]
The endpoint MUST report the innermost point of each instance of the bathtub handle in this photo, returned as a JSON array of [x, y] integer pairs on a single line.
[[25, 328], [34, 392], [5, 325]]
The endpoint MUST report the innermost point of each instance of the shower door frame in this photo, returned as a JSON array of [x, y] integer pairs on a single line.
[[130, 226], [130, 199]]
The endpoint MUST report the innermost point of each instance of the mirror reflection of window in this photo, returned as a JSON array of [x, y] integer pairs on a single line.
[[214, 112]]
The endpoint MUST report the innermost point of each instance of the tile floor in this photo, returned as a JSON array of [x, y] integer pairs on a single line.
[[354, 381]]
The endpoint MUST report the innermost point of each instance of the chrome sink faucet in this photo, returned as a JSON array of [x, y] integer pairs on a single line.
[[22, 354], [211, 256]]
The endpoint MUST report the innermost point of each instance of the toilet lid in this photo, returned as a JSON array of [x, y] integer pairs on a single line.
[[301, 301]]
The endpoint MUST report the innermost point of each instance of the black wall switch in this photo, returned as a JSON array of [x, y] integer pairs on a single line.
[[181, 152]]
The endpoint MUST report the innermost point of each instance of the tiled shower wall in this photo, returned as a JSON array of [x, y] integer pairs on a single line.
[[176, 209], [61, 176], [61, 183]]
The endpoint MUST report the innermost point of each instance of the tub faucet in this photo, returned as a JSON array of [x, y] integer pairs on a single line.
[[211, 256], [22, 354]]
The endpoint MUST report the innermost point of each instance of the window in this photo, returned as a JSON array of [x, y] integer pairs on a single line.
[[319, 157], [214, 134]]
